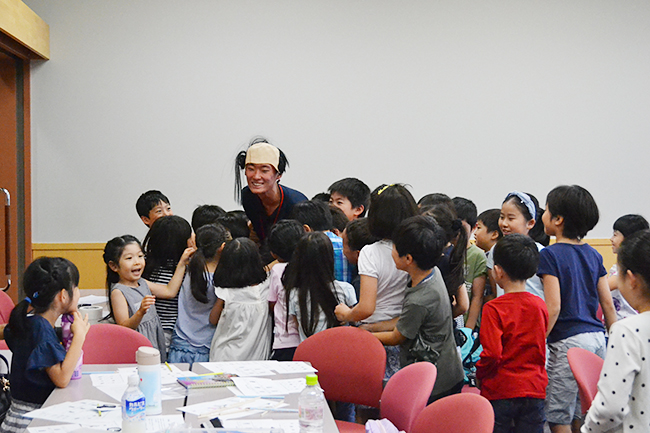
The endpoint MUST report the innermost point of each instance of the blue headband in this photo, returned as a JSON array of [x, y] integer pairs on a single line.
[[526, 200]]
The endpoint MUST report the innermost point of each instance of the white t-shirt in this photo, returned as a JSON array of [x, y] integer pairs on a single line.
[[343, 291], [534, 284], [376, 261]]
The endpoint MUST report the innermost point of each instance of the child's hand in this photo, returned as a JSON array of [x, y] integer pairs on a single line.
[[342, 312], [146, 303], [80, 325], [185, 258]]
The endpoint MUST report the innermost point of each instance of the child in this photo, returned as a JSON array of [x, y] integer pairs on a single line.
[[315, 216], [487, 231], [130, 296], [241, 312], [163, 247], [152, 205], [475, 262], [424, 329], [356, 236], [351, 196], [236, 222], [518, 214], [206, 214], [575, 281], [311, 291], [40, 363], [622, 401], [623, 227], [283, 239], [382, 284], [339, 220], [193, 331], [513, 334]]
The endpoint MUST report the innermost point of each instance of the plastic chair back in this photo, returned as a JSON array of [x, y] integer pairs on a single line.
[[6, 305], [406, 394], [458, 413], [586, 367], [351, 364], [112, 344]]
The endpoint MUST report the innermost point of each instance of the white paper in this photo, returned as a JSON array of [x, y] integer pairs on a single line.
[[288, 425], [254, 386], [293, 367], [59, 428], [167, 376], [162, 422], [82, 412], [242, 368], [232, 407], [115, 384], [93, 299]]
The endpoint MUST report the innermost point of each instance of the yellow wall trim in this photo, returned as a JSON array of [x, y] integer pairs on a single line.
[[21, 24]]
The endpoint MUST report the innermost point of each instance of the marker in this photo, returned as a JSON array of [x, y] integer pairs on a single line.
[[168, 366]]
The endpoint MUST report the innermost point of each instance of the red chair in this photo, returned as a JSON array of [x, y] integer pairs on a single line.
[[459, 413], [586, 367], [351, 364], [404, 397], [112, 344]]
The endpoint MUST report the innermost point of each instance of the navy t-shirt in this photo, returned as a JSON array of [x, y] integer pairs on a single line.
[[32, 354], [257, 214], [578, 269]]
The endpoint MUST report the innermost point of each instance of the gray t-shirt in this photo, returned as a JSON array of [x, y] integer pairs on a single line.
[[427, 312], [193, 324]]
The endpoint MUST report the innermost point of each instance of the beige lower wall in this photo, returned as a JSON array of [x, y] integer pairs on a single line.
[[88, 258]]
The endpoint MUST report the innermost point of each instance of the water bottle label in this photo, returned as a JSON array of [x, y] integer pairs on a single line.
[[134, 409], [312, 413]]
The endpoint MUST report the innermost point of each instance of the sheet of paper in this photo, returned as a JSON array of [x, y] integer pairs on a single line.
[[167, 376], [288, 425], [60, 428], [242, 368], [254, 386], [93, 299], [232, 407], [82, 412], [160, 423], [293, 367], [115, 384]]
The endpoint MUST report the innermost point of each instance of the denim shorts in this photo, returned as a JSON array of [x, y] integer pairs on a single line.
[[182, 351], [562, 399]]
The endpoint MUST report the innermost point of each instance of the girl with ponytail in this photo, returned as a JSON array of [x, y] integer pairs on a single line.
[[40, 363], [193, 332]]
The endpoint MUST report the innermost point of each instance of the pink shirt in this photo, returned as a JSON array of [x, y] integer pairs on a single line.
[[284, 337]]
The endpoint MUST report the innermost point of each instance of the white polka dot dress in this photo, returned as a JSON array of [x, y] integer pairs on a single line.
[[623, 400]]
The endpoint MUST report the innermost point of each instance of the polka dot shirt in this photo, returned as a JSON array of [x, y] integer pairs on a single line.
[[623, 400]]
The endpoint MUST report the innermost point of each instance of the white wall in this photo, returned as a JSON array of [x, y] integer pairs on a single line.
[[470, 98]]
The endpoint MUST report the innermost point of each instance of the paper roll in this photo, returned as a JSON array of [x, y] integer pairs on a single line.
[[94, 312]]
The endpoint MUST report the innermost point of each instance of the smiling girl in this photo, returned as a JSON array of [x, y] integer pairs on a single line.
[[264, 199], [519, 214], [131, 296]]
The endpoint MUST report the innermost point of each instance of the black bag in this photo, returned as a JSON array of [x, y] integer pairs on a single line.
[[5, 391]]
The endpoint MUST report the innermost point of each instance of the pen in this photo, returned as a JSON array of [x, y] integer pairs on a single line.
[[168, 366]]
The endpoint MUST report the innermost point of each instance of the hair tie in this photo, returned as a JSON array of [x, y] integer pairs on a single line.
[[35, 295], [456, 225], [384, 188], [29, 301], [526, 200]]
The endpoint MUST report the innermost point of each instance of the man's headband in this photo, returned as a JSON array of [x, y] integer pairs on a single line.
[[263, 153]]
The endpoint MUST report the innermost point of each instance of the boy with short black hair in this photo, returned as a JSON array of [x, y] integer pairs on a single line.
[[487, 229], [206, 214], [424, 330], [475, 262], [316, 217], [339, 220], [511, 371], [283, 238], [236, 222], [152, 205], [356, 236], [351, 196]]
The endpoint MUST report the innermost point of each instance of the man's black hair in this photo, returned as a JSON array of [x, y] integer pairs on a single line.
[[517, 255]]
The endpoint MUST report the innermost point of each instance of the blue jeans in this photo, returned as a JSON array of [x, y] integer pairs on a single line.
[[518, 415]]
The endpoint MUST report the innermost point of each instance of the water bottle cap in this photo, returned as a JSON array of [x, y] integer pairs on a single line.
[[147, 356], [312, 380], [134, 380]]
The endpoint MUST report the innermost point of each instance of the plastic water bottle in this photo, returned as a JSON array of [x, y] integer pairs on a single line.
[[311, 405], [66, 335], [133, 408], [148, 359]]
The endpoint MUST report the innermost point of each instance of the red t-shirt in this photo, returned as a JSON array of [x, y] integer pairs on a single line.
[[513, 335]]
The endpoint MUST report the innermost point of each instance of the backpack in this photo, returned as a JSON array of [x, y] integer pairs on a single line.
[[470, 352]]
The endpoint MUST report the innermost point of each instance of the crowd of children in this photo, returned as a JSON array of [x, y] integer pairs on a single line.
[[411, 273]]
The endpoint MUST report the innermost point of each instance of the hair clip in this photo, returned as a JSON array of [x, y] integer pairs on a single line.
[[35, 295], [384, 188]]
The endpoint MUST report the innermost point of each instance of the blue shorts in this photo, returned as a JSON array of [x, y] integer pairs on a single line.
[[526, 414], [182, 351]]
